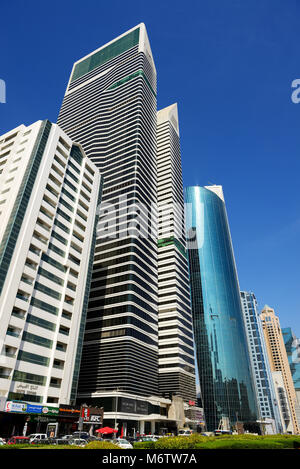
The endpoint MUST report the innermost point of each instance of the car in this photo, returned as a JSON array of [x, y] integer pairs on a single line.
[[185, 432], [66, 437], [122, 443], [148, 438], [18, 440], [222, 432], [37, 437], [78, 442], [84, 435]]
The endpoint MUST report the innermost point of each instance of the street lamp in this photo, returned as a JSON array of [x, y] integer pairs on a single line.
[[116, 410]]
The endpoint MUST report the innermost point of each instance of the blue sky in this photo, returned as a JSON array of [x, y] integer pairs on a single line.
[[229, 65]]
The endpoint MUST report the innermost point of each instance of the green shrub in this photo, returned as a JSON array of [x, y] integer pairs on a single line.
[[101, 445], [39, 446], [246, 441], [144, 445]]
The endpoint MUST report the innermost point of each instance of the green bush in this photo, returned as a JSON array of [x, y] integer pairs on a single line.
[[101, 445], [39, 446], [144, 445], [246, 441]]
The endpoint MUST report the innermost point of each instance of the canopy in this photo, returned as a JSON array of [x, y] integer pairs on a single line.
[[106, 430]]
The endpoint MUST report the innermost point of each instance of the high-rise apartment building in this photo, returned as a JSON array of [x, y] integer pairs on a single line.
[[176, 343], [110, 108], [221, 346], [48, 213], [278, 358], [265, 392], [292, 346]]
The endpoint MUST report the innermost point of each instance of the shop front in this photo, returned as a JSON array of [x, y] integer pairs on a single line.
[[21, 418]]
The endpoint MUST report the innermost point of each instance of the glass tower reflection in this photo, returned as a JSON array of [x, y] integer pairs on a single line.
[[223, 362]]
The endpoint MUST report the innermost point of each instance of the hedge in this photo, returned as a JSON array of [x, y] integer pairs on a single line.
[[246, 441]]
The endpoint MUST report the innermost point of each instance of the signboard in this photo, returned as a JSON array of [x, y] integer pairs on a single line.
[[92, 415], [68, 410], [15, 406], [85, 414], [23, 407], [132, 406]]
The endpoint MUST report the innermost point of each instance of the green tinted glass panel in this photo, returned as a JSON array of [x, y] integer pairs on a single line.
[[171, 240], [130, 77], [41, 322], [44, 306], [105, 54], [35, 339], [33, 358], [29, 378]]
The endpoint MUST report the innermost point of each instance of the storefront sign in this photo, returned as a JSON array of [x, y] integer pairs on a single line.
[[23, 407], [15, 406], [68, 410], [92, 415], [132, 406]]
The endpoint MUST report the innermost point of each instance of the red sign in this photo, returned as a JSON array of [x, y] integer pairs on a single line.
[[85, 413], [192, 402]]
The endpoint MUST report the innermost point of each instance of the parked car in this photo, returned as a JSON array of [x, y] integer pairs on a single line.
[[148, 438], [84, 435], [18, 440], [37, 437], [122, 443], [78, 442], [185, 432]]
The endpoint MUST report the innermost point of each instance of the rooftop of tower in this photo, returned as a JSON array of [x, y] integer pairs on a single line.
[[136, 35]]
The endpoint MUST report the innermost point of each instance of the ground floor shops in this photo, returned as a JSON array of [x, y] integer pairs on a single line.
[[24, 419], [132, 415]]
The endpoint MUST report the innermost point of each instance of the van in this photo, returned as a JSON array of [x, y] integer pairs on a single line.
[[185, 432], [37, 437]]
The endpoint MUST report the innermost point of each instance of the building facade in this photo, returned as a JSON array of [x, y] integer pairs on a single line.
[[110, 108], [283, 402], [175, 333], [49, 197], [278, 358], [221, 346], [265, 392], [292, 344]]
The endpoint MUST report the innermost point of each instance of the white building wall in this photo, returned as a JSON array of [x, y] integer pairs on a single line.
[[58, 225]]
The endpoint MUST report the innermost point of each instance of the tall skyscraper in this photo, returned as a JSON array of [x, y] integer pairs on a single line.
[[49, 196], [110, 108], [278, 358], [176, 343], [221, 348], [265, 392], [292, 346]]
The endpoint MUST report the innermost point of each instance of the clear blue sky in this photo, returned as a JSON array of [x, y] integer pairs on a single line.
[[229, 64]]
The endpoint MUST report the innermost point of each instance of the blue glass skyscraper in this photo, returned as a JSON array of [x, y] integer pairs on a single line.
[[223, 361]]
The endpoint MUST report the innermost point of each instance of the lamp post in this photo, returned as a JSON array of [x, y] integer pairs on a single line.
[[116, 410]]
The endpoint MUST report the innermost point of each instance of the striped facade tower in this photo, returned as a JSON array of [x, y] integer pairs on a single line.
[[110, 108], [176, 347]]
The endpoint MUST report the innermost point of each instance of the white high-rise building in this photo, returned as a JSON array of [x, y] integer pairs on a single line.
[[176, 342], [265, 393], [49, 193]]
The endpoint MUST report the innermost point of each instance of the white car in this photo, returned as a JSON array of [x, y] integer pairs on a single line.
[[37, 437], [122, 443]]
